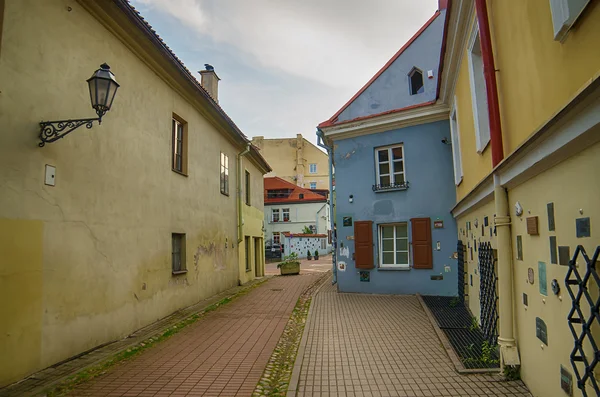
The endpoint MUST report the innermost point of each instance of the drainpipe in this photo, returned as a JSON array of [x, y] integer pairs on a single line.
[[239, 192], [321, 143], [489, 73]]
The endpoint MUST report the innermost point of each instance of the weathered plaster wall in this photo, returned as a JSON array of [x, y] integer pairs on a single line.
[[391, 89], [105, 229], [428, 165], [541, 365]]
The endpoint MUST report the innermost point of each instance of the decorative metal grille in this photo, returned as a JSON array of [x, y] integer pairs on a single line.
[[584, 318], [461, 251], [488, 296]]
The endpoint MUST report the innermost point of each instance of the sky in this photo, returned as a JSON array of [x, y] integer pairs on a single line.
[[286, 65]]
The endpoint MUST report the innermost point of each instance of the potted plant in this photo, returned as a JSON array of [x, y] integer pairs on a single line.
[[308, 256], [290, 265], [316, 255]]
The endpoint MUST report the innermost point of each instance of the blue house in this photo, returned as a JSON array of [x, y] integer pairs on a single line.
[[394, 176]]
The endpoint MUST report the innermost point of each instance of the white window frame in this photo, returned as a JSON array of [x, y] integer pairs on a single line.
[[313, 185], [564, 15], [455, 139], [275, 211], [278, 236], [285, 211], [479, 101], [390, 162], [224, 174], [312, 168], [380, 238]]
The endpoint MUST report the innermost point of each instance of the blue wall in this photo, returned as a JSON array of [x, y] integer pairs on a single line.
[[431, 193], [391, 89]]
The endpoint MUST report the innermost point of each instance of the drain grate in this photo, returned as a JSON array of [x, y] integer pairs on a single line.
[[466, 338]]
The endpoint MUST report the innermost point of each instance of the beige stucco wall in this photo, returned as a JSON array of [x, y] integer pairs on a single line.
[[572, 185], [282, 155], [97, 263]]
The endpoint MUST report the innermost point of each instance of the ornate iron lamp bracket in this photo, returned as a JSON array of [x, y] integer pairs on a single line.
[[51, 131]]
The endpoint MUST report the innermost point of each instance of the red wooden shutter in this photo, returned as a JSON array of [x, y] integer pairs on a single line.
[[421, 243], [363, 244]]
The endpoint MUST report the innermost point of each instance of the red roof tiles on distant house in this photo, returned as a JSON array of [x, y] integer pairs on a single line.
[[275, 183], [334, 119]]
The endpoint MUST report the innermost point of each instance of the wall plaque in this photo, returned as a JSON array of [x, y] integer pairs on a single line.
[[438, 224], [486, 221], [566, 381], [541, 331], [583, 227], [564, 255], [553, 250], [532, 226], [550, 207], [525, 300], [471, 279], [365, 276], [530, 276], [519, 248], [542, 278], [437, 277], [347, 221]]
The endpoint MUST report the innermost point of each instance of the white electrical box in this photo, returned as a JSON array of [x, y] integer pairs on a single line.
[[50, 175]]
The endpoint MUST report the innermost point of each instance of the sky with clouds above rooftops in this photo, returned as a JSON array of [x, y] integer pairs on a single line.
[[286, 65]]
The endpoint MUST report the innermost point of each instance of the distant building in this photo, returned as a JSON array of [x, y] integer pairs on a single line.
[[293, 210], [295, 160]]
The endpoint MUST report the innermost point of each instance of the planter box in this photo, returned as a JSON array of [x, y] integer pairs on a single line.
[[290, 268]]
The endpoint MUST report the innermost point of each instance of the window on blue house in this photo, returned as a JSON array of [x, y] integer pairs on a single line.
[[415, 82], [390, 167], [393, 245]]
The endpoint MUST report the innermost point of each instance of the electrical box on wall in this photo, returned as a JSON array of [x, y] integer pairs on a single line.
[[430, 74], [50, 178]]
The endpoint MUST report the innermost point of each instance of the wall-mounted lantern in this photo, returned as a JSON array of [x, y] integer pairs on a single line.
[[103, 88]]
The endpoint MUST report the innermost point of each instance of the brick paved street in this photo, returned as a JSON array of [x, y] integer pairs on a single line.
[[375, 345], [223, 354]]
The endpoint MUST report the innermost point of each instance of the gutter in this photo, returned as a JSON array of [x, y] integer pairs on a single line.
[[240, 221], [329, 149], [489, 73]]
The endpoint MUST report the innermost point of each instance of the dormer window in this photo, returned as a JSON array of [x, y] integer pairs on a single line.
[[415, 81]]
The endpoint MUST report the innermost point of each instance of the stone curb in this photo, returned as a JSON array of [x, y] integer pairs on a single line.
[[295, 379], [37, 383], [458, 365]]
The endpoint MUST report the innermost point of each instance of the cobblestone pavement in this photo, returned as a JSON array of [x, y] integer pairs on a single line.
[[223, 354], [322, 265], [360, 345]]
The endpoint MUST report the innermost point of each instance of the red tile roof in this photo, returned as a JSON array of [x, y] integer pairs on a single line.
[[275, 183], [334, 119]]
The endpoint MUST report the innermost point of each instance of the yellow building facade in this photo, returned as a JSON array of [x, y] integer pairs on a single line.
[[296, 160], [540, 202], [91, 225]]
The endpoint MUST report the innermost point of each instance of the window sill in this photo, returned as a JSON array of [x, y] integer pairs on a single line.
[[402, 269], [179, 272], [225, 194], [179, 172]]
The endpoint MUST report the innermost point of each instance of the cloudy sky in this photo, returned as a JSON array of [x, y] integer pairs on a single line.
[[286, 65]]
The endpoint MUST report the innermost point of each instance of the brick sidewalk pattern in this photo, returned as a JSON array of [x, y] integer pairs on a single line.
[[223, 354], [360, 345]]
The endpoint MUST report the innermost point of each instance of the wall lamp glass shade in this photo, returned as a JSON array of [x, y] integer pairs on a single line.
[[103, 88]]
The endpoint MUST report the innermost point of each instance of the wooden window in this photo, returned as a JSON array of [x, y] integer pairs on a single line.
[[275, 214], [456, 154], [363, 244], [286, 214], [247, 249], [247, 191], [390, 166], [178, 253], [179, 140], [393, 246], [421, 243], [224, 174]]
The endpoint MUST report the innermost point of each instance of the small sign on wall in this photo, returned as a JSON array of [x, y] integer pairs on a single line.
[[341, 266], [346, 221], [532, 226], [439, 224], [566, 381], [542, 278]]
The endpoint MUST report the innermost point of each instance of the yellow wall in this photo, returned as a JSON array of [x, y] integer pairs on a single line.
[[540, 367], [21, 246], [475, 234], [107, 223], [538, 76], [313, 154], [475, 166]]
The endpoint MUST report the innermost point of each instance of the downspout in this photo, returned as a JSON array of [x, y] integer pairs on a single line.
[[509, 354], [239, 193], [489, 73], [321, 143]]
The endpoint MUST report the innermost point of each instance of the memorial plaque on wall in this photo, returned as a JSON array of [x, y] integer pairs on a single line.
[[542, 278], [550, 207], [566, 381], [553, 250], [583, 227], [564, 255], [532, 226], [541, 331]]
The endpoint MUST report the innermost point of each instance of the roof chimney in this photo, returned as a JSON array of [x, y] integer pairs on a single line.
[[210, 81]]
